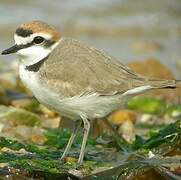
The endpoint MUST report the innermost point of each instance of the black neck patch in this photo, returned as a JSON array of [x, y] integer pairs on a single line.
[[35, 67], [23, 32]]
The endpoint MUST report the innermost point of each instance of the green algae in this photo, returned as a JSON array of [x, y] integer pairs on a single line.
[[59, 137], [44, 160], [147, 105]]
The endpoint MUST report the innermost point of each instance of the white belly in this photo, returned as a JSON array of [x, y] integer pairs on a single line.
[[92, 106]]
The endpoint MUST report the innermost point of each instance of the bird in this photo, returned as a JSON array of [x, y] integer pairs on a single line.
[[80, 82]]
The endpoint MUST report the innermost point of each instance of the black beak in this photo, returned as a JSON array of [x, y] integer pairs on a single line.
[[12, 50]]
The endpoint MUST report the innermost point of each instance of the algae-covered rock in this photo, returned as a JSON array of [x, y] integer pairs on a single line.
[[100, 161], [16, 116], [147, 105], [28, 104]]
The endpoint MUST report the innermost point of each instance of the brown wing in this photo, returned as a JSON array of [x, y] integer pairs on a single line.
[[75, 68]]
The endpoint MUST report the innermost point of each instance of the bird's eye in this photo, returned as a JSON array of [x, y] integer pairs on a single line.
[[38, 39]]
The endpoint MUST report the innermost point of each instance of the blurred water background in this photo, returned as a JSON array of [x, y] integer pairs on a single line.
[[119, 27]]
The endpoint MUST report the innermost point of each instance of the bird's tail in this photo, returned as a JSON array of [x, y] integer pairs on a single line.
[[164, 83]]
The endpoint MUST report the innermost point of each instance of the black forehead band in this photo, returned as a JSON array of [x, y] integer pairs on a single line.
[[23, 32]]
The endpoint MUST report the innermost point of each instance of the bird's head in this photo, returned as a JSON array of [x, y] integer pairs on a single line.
[[33, 42]]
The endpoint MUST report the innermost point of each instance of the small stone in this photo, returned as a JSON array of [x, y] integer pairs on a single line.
[[5, 149], [70, 160], [39, 139], [145, 118], [119, 117], [150, 154], [48, 112], [50, 122], [2, 165], [23, 151], [99, 146], [20, 151], [127, 131]]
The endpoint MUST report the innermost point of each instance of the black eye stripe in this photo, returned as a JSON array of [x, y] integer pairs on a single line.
[[47, 44]]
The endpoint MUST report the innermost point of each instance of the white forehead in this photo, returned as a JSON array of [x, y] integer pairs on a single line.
[[25, 40]]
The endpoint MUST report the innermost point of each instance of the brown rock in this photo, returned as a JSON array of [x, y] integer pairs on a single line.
[[154, 69], [128, 131], [124, 119], [38, 138], [70, 160], [120, 116], [151, 67], [47, 112], [50, 122]]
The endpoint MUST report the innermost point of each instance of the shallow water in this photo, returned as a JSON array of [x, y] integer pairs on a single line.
[[114, 26]]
